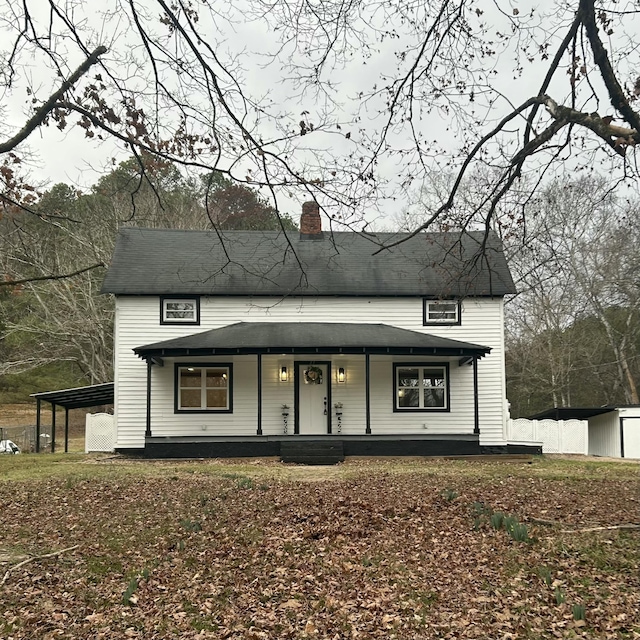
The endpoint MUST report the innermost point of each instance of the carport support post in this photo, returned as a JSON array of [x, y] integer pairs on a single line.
[[38, 406], [53, 427], [66, 430]]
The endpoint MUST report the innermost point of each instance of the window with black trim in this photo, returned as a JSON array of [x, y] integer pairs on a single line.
[[441, 312], [180, 310], [421, 387], [204, 388]]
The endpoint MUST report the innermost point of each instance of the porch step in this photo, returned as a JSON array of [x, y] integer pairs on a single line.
[[312, 452]]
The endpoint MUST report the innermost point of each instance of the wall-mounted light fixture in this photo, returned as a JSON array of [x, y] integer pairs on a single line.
[[341, 376], [284, 374]]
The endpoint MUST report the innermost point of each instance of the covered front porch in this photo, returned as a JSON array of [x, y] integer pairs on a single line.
[[247, 388]]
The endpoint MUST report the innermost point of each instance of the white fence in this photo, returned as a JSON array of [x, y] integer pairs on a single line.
[[556, 436], [100, 433]]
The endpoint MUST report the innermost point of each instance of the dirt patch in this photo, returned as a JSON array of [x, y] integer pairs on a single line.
[[314, 473], [581, 458]]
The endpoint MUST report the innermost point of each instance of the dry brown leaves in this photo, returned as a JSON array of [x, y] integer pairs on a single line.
[[380, 555]]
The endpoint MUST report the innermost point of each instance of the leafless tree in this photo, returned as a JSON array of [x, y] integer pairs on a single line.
[[578, 311], [367, 98]]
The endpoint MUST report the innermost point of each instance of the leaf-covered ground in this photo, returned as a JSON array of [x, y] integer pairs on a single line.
[[363, 550]]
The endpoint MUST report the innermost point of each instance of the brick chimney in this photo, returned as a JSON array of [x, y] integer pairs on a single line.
[[310, 223]]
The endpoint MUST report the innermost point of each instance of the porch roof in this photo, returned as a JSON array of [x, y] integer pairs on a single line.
[[309, 338]]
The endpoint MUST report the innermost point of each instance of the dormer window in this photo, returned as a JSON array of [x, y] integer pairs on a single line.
[[180, 310], [444, 312]]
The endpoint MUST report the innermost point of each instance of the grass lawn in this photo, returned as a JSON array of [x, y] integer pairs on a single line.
[[367, 549]]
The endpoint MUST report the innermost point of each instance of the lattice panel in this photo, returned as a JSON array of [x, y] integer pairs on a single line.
[[574, 436], [549, 434], [100, 432], [556, 436], [522, 430]]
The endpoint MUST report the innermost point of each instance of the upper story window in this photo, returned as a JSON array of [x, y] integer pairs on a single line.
[[180, 310], [441, 312]]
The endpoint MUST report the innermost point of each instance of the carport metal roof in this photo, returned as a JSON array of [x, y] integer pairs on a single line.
[[571, 413], [91, 396], [77, 398]]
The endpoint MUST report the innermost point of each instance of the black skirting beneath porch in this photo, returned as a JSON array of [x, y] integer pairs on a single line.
[[369, 445]]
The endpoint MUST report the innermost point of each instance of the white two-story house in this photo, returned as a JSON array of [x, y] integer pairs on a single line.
[[235, 343]]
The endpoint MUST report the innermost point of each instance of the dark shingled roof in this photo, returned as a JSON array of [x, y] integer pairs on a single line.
[[165, 262], [309, 337]]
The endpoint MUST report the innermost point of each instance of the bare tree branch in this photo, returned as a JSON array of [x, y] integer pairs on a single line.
[[58, 276], [45, 109]]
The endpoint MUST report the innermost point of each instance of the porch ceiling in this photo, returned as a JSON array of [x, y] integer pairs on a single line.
[[310, 337]]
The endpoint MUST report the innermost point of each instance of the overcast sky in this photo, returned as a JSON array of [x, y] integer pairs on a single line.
[[69, 157]]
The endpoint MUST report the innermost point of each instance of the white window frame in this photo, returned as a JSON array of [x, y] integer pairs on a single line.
[[204, 367], [193, 318], [443, 368], [433, 315]]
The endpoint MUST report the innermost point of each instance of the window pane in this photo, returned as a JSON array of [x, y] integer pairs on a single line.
[[180, 310], [408, 397], [443, 311], [421, 387], [213, 380], [190, 398], [216, 398], [190, 377], [216, 378], [408, 377], [433, 378], [434, 397]]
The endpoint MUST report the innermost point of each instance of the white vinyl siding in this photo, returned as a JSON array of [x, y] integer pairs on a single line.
[[137, 325]]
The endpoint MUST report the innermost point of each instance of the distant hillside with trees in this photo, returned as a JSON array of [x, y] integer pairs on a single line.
[[57, 331]]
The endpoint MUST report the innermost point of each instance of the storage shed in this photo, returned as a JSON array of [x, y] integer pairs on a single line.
[[614, 431]]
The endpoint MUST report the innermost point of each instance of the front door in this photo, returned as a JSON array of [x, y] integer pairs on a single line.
[[312, 381]]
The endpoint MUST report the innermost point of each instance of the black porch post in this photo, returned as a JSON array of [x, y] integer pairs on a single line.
[[53, 427], [259, 432], [367, 393], [38, 407], [476, 408], [66, 430], [147, 433]]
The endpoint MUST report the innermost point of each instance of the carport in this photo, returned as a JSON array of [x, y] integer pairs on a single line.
[[78, 398]]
